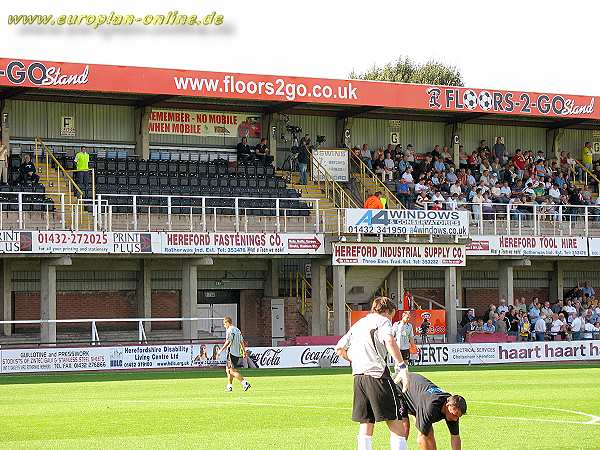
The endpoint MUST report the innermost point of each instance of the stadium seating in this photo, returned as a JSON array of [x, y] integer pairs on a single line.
[[221, 179]]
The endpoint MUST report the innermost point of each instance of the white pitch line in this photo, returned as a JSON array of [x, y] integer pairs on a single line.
[[593, 419]]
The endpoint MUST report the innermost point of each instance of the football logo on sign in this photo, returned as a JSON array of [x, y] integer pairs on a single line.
[[470, 99], [485, 100]]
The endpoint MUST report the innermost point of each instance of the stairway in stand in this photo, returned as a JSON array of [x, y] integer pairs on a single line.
[[327, 209], [54, 188]]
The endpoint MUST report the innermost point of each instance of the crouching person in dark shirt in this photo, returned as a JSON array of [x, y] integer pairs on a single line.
[[429, 404]]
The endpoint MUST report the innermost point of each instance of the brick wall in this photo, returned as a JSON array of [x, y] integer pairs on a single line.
[[436, 294], [480, 298], [166, 304], [295, 324], [80, 305], [255, 317]]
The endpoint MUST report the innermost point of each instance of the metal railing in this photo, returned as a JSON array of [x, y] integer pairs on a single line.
[[333, 190], [206, 214], [364, 174], [94, 335], [587, 174], [122, 212], [530, 219]]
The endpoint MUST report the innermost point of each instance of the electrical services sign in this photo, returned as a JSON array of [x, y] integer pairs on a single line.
[[333, 161], [205, 123], [379, 254], [407, 221], [502, 353], [527, 246]]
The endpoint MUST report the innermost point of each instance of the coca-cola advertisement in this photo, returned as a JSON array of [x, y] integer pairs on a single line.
[[287, 357]]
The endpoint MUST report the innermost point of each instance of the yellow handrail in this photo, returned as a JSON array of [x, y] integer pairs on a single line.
[[332, 189], [365, 172], [588, 173], [70, 183]]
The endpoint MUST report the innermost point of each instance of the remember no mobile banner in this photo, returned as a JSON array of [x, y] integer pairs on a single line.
[[376, 254]]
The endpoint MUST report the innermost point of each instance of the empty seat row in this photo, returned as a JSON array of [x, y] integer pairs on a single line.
[[164, 181]]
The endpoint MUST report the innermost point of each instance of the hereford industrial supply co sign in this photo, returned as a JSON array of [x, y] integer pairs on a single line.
[[379, 254]]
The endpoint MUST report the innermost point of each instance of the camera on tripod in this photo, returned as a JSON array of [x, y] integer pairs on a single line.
[[294, 129]]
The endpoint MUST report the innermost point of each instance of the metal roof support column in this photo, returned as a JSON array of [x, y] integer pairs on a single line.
[[339, 300], [189, 295], [48, 297], [319, 297], [557, 282], [144, 292], [343, 132], [506, 282], [451, 297], [142, 133], [269, 131], [4, 124], [272, 278], [553, 137], [7, 295]]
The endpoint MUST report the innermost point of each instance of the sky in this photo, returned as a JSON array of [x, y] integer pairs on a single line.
[[515, 45]]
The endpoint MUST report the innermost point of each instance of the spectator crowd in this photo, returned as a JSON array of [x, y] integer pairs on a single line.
[[576, 317], [485, 179]]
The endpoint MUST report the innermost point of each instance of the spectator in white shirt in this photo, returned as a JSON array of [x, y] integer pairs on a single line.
[[437, 197], [505, 189], [407, 175], [420, 187], [557, 327], [456, 189], [502, 308], [576, 326], [540, 328], [588, 330], [554, 192], [453, 202], [388, 168]]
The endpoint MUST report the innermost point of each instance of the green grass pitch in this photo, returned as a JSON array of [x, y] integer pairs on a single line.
[[543, 407]]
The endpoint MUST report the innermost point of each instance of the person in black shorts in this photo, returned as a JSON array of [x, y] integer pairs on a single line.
[[376, 397], [234, 345], [429, 404]]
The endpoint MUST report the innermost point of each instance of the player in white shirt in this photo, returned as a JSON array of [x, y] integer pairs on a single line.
[[234, 344], [376, 398]]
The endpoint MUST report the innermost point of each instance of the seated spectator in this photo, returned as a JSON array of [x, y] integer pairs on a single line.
[[470, 178], [439, 165], [436, 206], [365, 156], [244, 153], [403, 191], [421, 186], [476, 326], [379, 165], [587, 289], [409, 154], [27, 171], [456, 188], [401, 164], [407, 175], [374, 201], [447, 156], [489, 327], [451, 176], [262, 152], [388, 167], [421, 200]]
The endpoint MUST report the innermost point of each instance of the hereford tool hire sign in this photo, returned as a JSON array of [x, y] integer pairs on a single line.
[[406, 221], [371, 254], [527, 246]]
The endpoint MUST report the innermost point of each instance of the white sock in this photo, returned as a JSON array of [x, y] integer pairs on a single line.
[[229, 386], [364, 442], [397, 442], [244, 382]]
